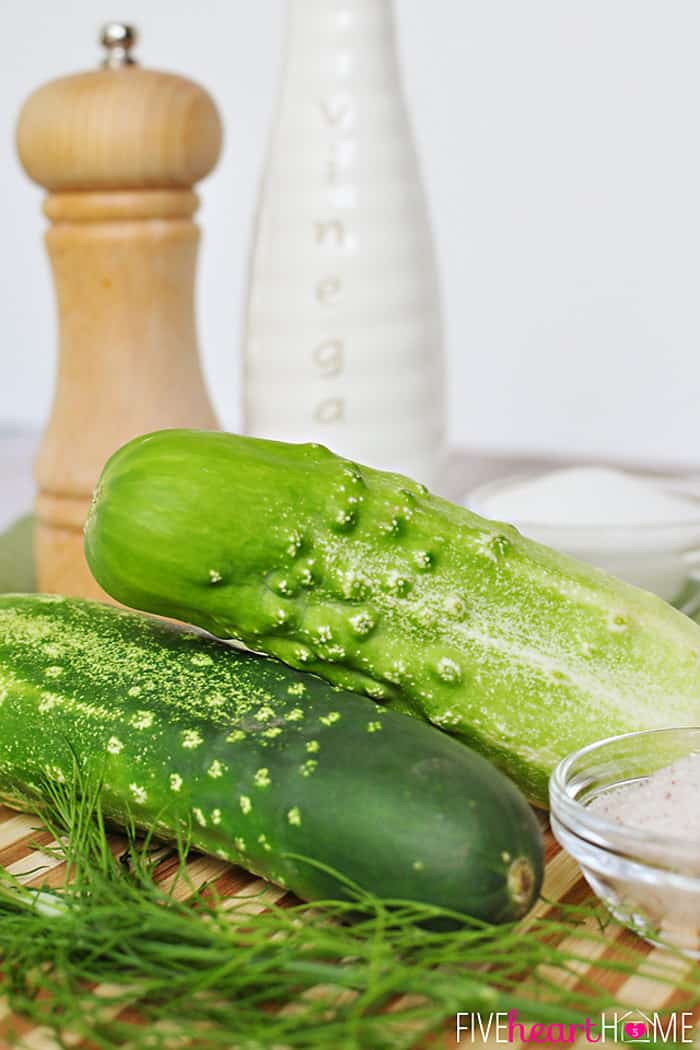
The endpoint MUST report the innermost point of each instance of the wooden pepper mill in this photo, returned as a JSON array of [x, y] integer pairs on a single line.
[[119, 150]]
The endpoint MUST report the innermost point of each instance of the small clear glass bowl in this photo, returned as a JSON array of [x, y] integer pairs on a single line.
[[649, 881]]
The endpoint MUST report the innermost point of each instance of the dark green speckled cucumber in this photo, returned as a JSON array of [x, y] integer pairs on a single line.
[[257, 759], [368, 580]]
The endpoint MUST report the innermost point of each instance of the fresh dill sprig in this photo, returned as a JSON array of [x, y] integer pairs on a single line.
[[119, 960]]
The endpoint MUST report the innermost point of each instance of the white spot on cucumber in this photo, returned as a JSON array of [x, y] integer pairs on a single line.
[[272, 732], [246, 804], [398, 583], [216, 816], [295, 543], [199, 816], [296, 689], [295, 715], [362, 623], [135, 690], [294, 816], [48, 702], [235, 736], [423, 614], [308, 767], [455, 606], [262, 778], [329, 719], [216, 769], [138, 793], [501, 545], [175, 781], [239, 844], [114, 745], [201, 660], [396, 672], [215, 576], [334, 652], [356, 585], [142, 720], [191, 738], [447, 718], [353, 474], [345, 518], [449, 670], [374, 727], [494, 547], [391, 527], [617, 622], [312, 746]]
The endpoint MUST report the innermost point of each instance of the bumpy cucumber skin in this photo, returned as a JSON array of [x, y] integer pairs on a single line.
[[368, 580], [258, 760]]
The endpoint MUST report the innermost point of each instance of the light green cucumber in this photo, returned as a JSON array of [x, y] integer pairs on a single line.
[[257, 761], [367, 579]]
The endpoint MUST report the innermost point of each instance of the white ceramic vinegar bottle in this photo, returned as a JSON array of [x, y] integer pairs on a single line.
[[343, 341]]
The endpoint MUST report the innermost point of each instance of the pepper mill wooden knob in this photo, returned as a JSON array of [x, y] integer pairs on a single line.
[[119, 150]]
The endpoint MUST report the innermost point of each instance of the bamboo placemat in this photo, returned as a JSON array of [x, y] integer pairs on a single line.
[[22, 840]]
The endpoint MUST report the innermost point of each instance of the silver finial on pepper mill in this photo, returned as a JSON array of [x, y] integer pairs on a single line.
[[118, 38]]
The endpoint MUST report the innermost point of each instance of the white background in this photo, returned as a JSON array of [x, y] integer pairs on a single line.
[[560, 146]]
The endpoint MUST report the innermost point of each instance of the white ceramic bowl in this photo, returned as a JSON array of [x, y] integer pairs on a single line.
[[649, 881]]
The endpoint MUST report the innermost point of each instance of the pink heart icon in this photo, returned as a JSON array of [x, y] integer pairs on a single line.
[[635, 1029]]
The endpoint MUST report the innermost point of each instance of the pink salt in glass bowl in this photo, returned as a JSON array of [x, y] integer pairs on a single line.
[[650, 881]]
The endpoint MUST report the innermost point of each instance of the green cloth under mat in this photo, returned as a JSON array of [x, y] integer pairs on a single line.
[[17, 557]]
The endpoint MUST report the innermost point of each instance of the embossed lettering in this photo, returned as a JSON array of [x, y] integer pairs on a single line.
[[332, 166], [328, 357], [336, 113], [331, 228], [328, 289], [332, 410]]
